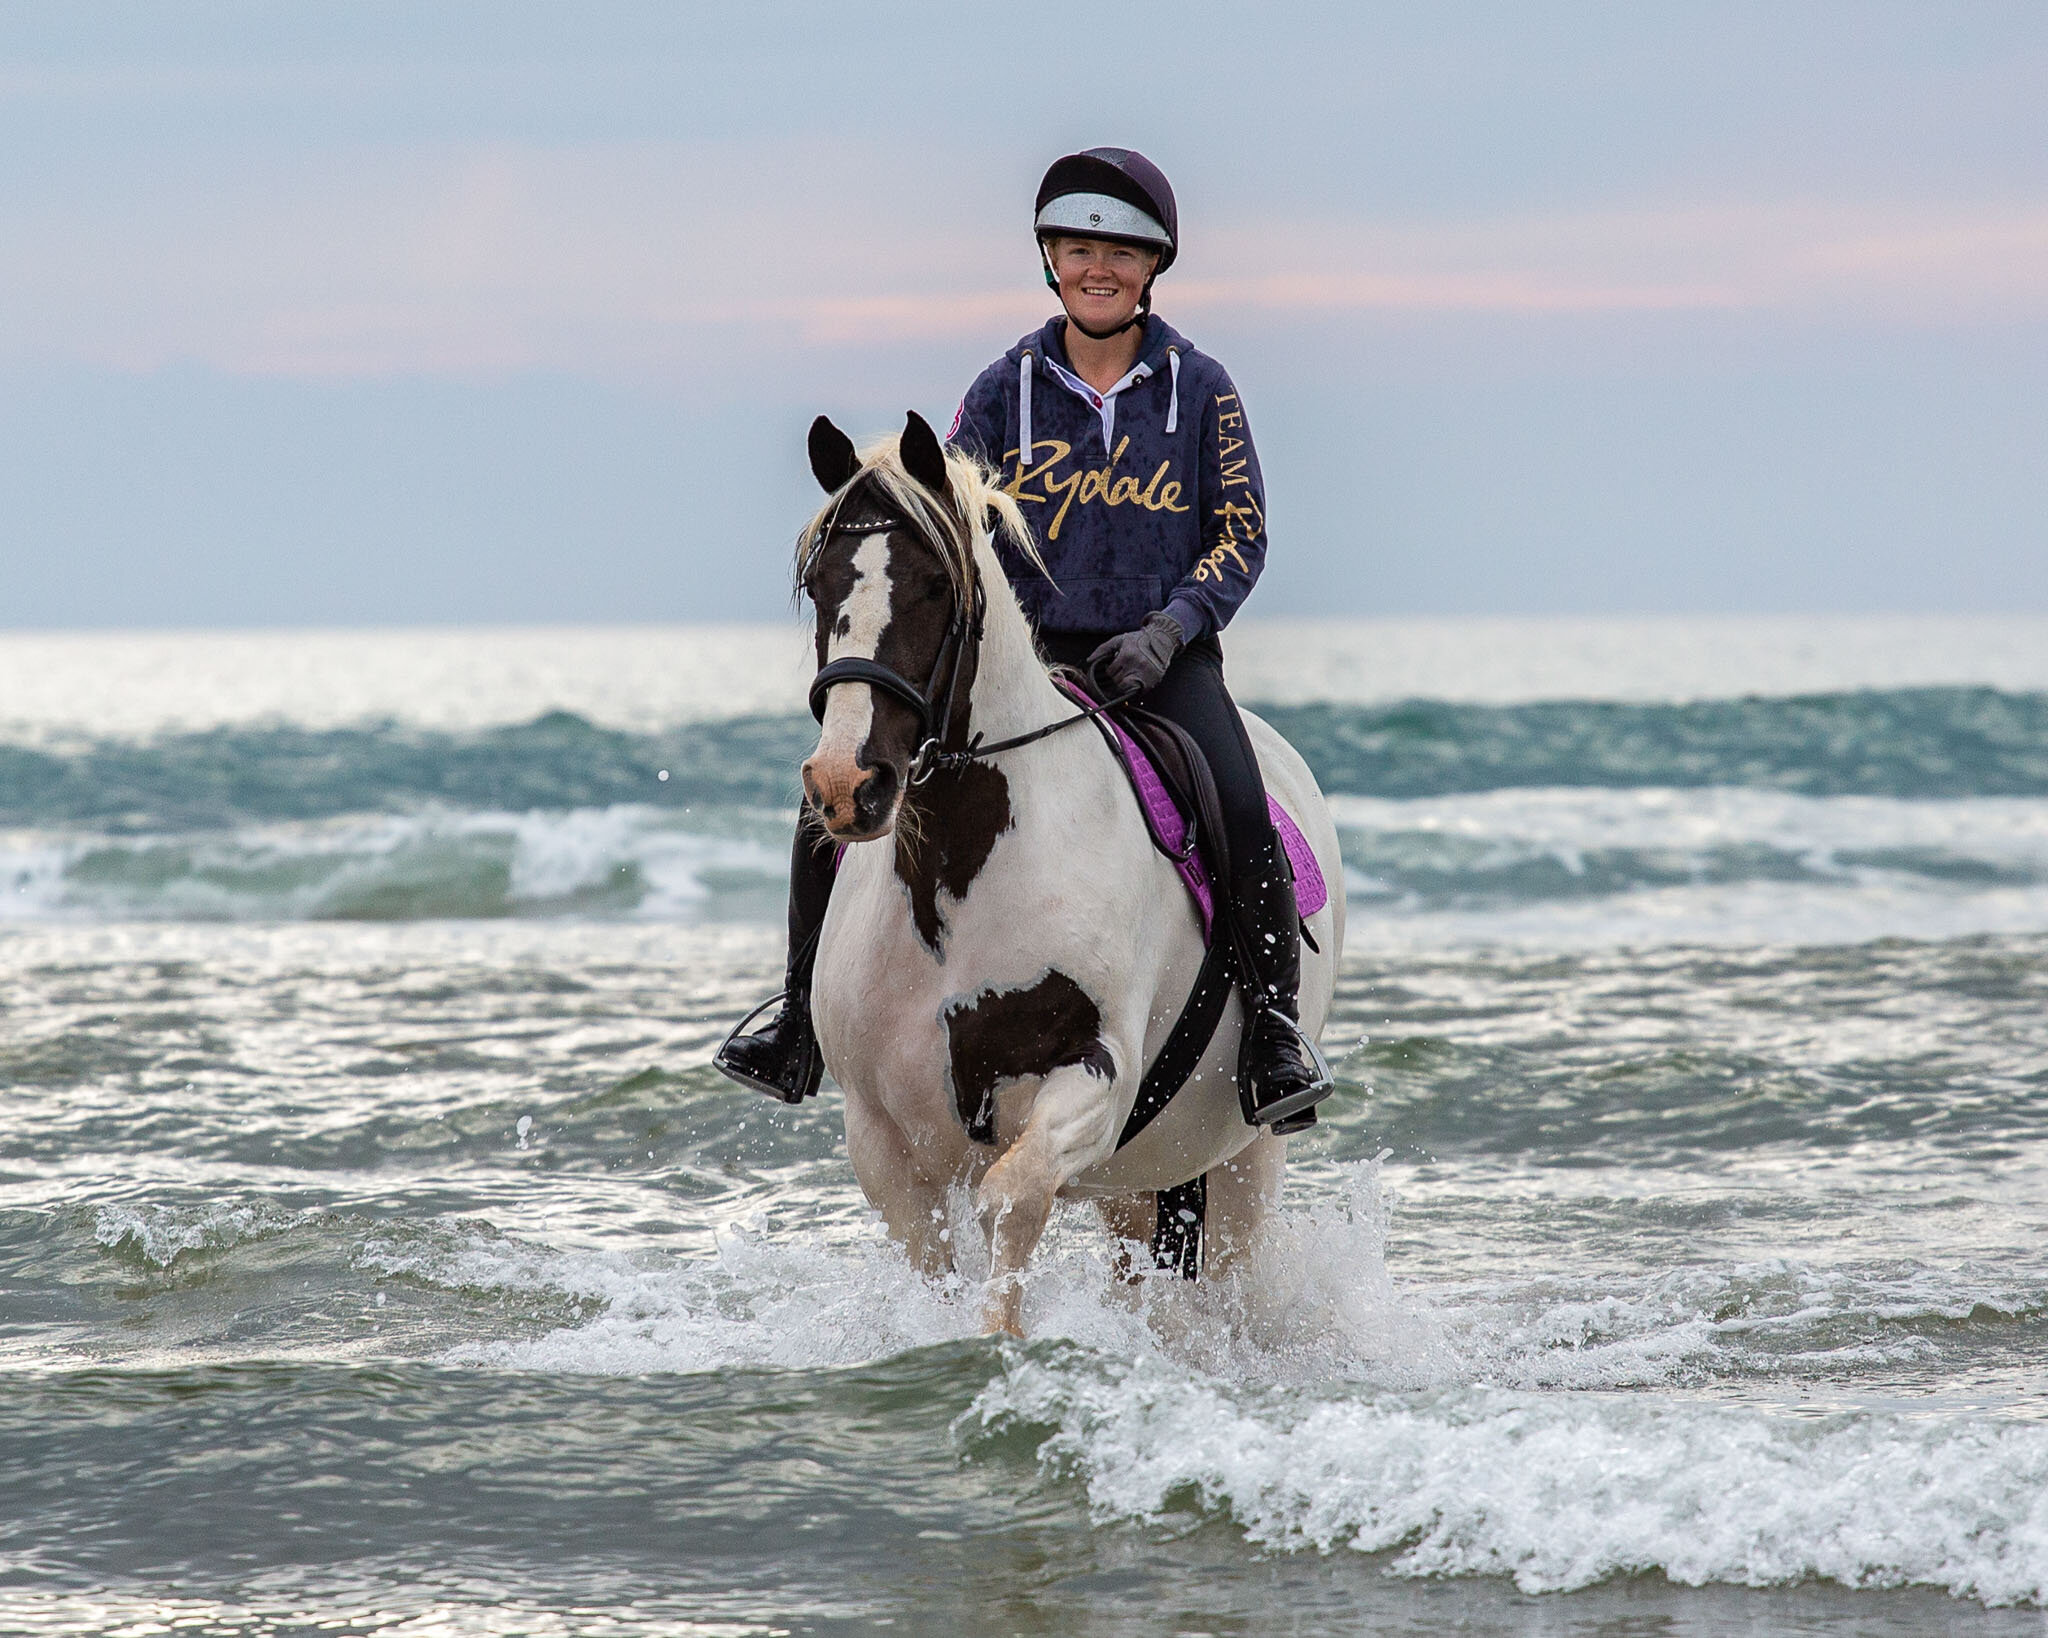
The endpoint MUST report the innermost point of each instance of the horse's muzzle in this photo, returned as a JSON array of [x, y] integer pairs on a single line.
[[857, 804]]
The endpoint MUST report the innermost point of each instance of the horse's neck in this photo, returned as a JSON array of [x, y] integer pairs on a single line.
[[1040, 795], [1012, 693]]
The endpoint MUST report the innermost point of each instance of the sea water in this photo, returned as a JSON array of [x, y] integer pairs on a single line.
[[378, 1251]]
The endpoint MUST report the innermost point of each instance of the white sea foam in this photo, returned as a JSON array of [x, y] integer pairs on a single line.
[[1569, 822], [1316, 1306], [1459, 1430], [32, 874], [162, 1234], [1556, 1491], [1315, 1301], [1330, 1410]]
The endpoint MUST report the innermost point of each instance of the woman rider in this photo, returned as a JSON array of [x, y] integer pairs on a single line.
[[1130, 453]]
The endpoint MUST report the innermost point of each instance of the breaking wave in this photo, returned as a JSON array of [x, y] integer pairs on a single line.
[[1770, 864], [1921, 809], [1556, 1492], [1332, 1410], [1907, 742], [1923, 742], [400, 867]]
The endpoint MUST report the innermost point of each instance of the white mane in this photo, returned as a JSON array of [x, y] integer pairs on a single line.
[[976, 495]]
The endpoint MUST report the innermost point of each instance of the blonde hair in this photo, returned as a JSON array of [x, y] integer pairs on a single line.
[[953, 531]]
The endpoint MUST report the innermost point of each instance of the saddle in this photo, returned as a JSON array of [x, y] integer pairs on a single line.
[[1176, 792]]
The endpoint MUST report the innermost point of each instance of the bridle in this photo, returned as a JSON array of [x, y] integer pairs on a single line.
[[963, 628]]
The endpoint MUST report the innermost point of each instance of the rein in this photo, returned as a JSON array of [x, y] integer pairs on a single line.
[[964, 628], [974, 750]]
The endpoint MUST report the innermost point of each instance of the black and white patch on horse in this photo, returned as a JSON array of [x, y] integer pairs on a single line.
[[946, 857], [1005, 949], [1023, 1033]]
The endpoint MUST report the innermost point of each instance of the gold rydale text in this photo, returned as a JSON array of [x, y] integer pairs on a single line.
[[1049, 481]]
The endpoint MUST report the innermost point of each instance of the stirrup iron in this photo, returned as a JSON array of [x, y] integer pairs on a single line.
[[1284, 1115], [721, 1060]]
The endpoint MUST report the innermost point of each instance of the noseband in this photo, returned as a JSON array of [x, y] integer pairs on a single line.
[[962, 629]]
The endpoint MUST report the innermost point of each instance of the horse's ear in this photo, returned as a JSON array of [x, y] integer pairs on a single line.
[[833, 462], [923, 458]]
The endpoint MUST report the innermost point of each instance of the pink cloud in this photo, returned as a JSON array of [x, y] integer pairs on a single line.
[[661, 259]]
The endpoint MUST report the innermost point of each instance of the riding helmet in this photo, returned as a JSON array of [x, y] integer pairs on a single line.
[[1110, 193]]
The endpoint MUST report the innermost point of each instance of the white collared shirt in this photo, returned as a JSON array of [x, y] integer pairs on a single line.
[[1104, 403]]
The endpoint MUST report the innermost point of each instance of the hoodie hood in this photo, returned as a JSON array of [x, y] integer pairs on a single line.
[[1161, 348], [1051, 342]]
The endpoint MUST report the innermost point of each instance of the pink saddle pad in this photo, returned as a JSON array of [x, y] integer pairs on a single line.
[[1170, 825]]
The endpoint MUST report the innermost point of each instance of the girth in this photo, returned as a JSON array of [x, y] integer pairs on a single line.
[[1180, 1212]]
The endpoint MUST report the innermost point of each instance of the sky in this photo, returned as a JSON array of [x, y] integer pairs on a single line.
[[397, 313]]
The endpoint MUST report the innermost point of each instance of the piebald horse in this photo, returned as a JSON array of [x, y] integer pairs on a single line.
[[1001, 927]]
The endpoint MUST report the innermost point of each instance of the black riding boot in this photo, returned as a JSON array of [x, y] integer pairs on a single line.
[[782, 1058], [1280, 1075]]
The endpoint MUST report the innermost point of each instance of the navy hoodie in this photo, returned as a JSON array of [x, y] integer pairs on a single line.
[[1150, 499]]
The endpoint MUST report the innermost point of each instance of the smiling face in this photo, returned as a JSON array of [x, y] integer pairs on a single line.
[[884, 597], [1100, 280]]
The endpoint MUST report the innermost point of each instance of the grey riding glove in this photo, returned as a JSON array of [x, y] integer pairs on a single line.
[[1138, 659]]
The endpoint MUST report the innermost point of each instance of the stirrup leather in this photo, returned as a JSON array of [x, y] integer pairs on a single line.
[[722, 1060], [1283, 1114]]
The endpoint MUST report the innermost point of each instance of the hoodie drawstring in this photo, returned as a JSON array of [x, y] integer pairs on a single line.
[[1024, 414], [1173, 389]]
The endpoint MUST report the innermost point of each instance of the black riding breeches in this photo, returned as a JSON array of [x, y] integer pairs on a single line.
[[1193, 696], [813, 862]]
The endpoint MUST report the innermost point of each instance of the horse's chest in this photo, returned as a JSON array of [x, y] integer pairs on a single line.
[[913, 933], [900, 939]]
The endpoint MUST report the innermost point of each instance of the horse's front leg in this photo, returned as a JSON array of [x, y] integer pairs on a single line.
[[1072, 1126], [912, 1204]]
